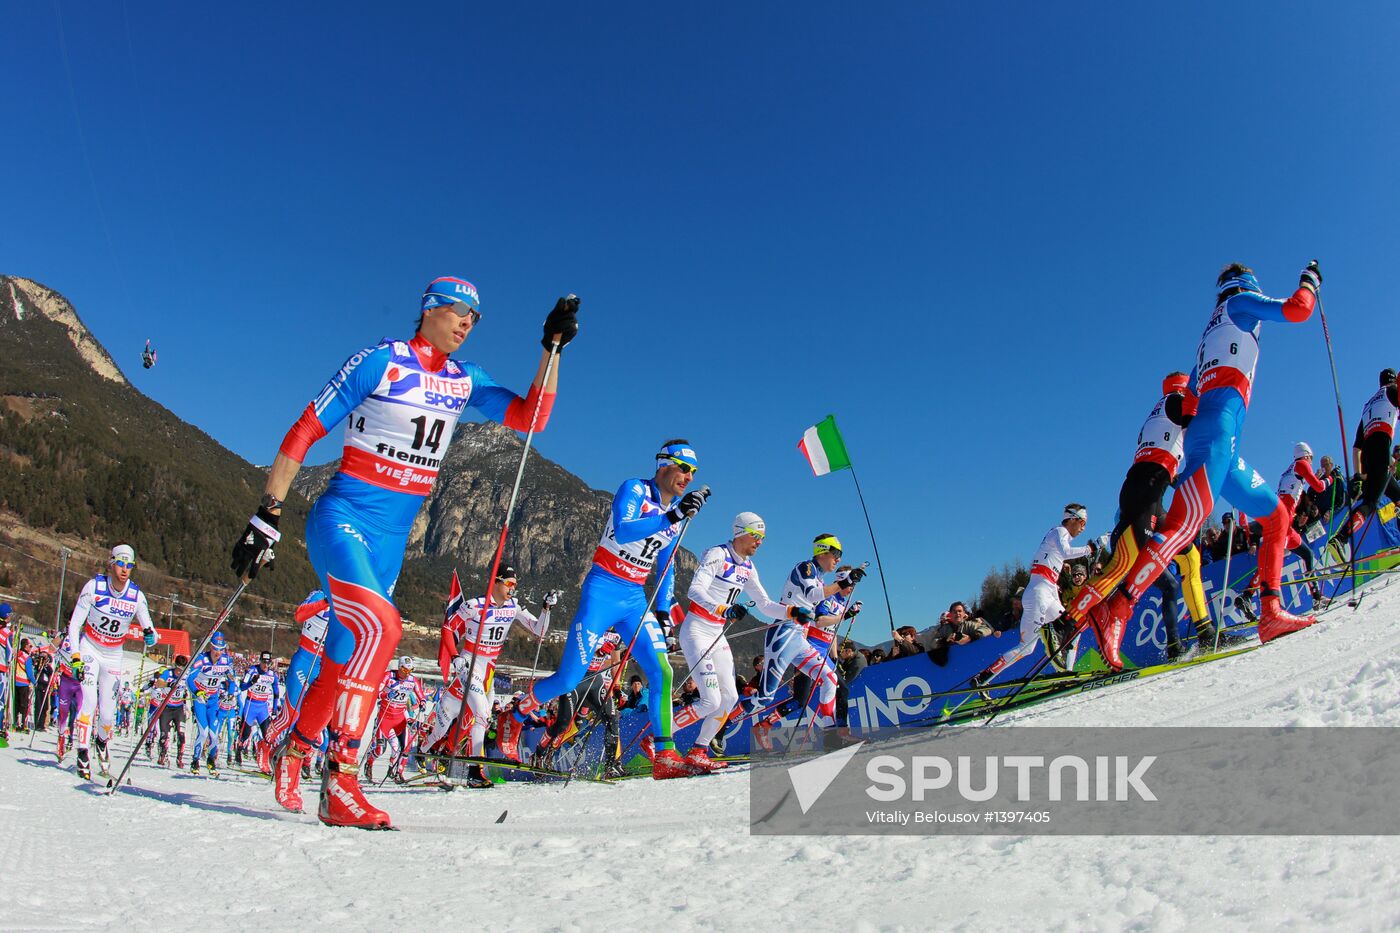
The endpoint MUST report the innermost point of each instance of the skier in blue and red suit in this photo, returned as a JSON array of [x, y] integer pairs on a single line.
[[400, 401], [1221, 381]]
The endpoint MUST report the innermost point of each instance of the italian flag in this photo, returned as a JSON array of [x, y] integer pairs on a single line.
[[823, 447]]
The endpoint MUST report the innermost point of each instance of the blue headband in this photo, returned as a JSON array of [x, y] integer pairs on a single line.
[[681, 452]]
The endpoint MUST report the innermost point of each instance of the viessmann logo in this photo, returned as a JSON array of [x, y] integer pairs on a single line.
[[978, 779]]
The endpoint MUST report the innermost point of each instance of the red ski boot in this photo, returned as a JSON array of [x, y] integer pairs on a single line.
[[699, 759], [344, 804], [761, 737], [1275, 621], [648, 748], [1109, 619], [667, 764], [264, 758], [286, 776]]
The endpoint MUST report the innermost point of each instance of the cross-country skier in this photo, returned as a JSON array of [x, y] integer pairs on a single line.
[[1160, 444], [126, 700], [726, 573], [467, 648], [262, 691], [821, 635], [1375, 433], [400, 401], [205, 680], [1222, 379], [68, 695], [227, 721], [23, 671], [595, 692], [172, 718], [785, 641], [1042, 597], [106, 608], [641, 533], [399, 695], [1298, 477], [313, 615]]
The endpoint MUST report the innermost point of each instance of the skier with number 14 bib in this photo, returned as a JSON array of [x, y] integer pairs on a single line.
[[399, 401]]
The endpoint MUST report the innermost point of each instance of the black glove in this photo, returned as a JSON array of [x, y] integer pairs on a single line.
[[663, 621], [802, 615], [1311, 279], [563, 320], [736, 614], [857, 575], [253, 549], [854, 611], [1354, 488], [689, 504]]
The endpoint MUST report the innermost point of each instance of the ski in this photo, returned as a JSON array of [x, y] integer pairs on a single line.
[[1101, 680], [518, 767]]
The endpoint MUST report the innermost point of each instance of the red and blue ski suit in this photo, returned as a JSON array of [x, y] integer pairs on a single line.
[[639, 536], [400, 402], [1212, 465]]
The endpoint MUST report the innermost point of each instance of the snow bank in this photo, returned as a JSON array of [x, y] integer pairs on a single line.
[[678, 856]]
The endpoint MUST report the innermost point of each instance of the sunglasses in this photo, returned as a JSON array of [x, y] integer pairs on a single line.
[[753, 534], [510, 583], [681, 465], [126, 564], [462, 310]]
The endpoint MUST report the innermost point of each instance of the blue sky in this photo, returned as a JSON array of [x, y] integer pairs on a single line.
[[977, 233]]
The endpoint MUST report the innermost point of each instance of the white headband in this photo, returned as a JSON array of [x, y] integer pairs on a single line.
[[1077, 513]]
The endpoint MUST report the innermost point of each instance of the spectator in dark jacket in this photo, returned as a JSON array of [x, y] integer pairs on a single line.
[[1012, 622], [849, 664], [906, 643], [957, 628]]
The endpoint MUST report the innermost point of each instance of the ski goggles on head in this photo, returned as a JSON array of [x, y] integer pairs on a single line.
[[827, 545]]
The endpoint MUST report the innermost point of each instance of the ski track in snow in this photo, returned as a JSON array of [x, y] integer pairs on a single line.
[[677, 855]]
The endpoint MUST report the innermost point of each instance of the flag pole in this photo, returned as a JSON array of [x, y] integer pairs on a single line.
[[889, 607]]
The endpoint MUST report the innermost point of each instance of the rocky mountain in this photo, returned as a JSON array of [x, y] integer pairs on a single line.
[[88, 455]]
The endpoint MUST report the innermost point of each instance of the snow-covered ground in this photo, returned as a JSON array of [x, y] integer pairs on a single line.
[[217, 854]]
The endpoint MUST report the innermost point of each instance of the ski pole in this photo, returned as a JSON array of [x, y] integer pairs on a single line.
[[115, 783], [1336, 387], [505, 526], [1225, 587], [1039, 666], [1355, 542], [539, 640]]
